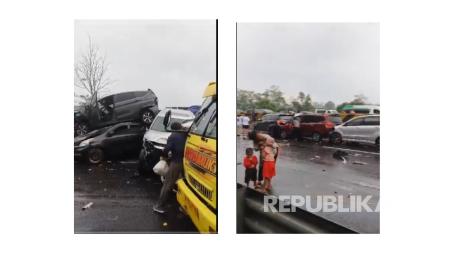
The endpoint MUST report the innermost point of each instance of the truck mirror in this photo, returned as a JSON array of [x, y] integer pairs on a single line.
[[167, 118]]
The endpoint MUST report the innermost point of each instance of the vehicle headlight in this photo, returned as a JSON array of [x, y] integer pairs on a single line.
[[85, 143], [161, 141]]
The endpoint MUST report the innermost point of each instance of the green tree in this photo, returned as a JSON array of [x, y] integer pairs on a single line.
[[245, 100], [330, 105]]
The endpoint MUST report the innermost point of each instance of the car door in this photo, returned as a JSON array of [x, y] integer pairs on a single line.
[[351, 129], [305, 125], [369, 129], [311, 124], [125, 106], [115, 140], [134, 136]]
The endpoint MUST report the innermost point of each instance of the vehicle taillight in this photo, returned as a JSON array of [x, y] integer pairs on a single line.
[[281, 122], [329, 124]]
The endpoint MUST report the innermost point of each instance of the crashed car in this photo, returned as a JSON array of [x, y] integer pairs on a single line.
[[363, 129], [157, 135], [120, 139], [129, 106], [316, 126], [276, 125]]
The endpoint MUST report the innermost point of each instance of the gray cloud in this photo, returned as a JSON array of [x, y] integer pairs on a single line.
[[330, 61], [176, 59]]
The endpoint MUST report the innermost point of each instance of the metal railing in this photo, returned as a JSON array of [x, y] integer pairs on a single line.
[[251, 218]]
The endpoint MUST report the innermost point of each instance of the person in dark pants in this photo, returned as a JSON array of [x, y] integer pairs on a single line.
[[250, 163], [175, 149]]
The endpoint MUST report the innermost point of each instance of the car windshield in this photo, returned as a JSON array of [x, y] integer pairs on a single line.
[[335, 120], [96, 132], [157, 124], [286, 118]]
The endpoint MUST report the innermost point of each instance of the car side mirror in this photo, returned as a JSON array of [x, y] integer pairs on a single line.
[[166, 119], [111, 133]]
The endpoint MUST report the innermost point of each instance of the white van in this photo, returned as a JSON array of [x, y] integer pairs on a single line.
[[156, 136]]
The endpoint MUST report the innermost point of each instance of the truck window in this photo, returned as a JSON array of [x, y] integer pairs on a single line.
[[211, 128], [200, 124]]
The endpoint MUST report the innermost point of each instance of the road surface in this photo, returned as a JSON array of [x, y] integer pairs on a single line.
[[122, 201], [306, 168]]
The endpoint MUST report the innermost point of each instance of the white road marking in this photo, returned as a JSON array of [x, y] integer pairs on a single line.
[[346, 149]]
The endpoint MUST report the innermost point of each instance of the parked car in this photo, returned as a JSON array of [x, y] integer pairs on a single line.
[[326, 111], [120, 139], [130, 106], [351, 111], [277, 125], [155, 137], [316, 126], [363, 129]]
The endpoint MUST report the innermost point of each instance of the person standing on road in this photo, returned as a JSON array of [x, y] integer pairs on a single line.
[[245, 125], [250, 164], [175, 150], [238, 125], [269, 151]]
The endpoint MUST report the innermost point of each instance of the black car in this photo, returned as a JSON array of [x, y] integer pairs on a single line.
[[111, 141], [129, 106], [272, 123]]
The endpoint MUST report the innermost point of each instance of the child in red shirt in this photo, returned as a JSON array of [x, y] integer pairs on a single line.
[[250, 163]]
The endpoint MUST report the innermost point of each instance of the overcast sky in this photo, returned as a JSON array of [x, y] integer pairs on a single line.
[[176, 59], [330, 61]]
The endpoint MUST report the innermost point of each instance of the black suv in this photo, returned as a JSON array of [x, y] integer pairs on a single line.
[[272, 123], [122, 107]]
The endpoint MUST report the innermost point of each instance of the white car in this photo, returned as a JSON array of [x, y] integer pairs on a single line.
[[362, 129], [156, 136], [326, 111]]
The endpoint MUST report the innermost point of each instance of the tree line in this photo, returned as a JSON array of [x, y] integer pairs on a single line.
[[273, 99]]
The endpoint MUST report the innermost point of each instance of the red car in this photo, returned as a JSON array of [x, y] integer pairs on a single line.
[[315, 125]]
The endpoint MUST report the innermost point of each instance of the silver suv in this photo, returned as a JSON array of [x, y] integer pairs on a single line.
[[362, 129]]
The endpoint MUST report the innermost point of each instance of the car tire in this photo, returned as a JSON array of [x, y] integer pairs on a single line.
[[95, 155], [82, 128], [335, 138], [147, 116], [316, 137]]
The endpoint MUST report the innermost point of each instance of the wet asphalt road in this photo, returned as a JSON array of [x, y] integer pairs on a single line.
[[307, 168], [122, 201]]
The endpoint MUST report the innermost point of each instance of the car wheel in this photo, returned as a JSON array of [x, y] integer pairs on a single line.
[[316, 137], [147, 117], [335, 138], [95, 155], [283, 134], [82, 128]]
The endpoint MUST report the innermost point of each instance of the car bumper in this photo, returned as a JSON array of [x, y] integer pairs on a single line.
[[202, 217], [80, 151]]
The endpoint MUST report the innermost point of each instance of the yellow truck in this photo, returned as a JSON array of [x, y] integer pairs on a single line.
[[197, 190]]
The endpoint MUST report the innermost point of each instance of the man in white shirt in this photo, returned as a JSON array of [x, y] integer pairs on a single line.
[[238, 125], [245, 125]]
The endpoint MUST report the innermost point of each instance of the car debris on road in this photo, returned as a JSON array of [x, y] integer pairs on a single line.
[[87, 206]]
